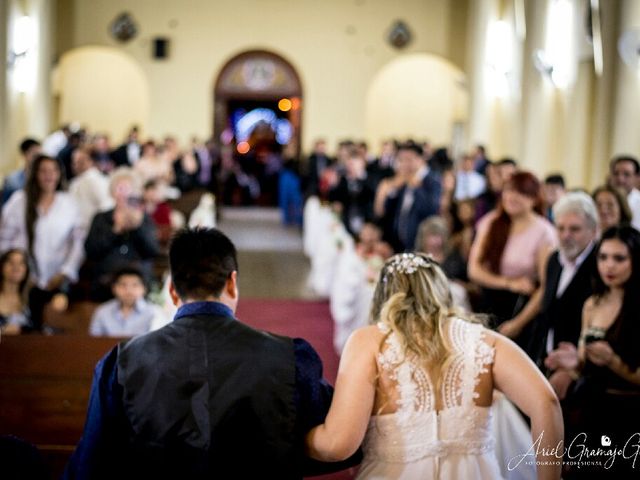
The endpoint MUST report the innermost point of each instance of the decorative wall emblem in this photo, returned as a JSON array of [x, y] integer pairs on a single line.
[[124, 27], [400, 35], [259, 73]]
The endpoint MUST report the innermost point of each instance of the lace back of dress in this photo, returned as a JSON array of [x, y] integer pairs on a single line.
[[456, 386]]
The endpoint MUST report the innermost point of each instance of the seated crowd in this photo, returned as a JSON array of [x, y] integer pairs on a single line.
[[78, 214], [550, 267]]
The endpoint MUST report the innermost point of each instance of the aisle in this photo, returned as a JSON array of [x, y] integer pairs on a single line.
[[270, 258], [273, 288]]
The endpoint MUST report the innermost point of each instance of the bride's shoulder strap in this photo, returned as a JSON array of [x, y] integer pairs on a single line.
[[469, 341]]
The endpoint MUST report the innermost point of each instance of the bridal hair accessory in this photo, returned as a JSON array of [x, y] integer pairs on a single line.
[[408, 263]]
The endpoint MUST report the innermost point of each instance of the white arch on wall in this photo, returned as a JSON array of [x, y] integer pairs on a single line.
[[102, 88], [418, 95]]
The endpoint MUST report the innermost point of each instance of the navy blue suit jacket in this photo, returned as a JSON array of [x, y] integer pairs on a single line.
[[426, 203]]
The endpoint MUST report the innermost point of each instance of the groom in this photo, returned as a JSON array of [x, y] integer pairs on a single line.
[[206, 396]]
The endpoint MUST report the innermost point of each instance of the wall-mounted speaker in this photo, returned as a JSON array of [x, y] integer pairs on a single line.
[[160, 48]]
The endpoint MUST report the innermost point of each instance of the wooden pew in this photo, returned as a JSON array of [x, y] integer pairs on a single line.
[[44, 390]]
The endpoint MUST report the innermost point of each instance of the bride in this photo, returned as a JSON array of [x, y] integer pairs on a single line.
[[418, 387]]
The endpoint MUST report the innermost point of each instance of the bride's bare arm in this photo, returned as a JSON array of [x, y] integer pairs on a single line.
[[520, 380], [346, 423]]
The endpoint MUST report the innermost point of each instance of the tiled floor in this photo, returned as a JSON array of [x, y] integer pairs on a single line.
[[259, 228], [271, 262]]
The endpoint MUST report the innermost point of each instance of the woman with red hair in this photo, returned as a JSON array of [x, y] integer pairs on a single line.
[[509, 254]]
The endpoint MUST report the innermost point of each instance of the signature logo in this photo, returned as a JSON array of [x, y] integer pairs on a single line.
[[578, 452]]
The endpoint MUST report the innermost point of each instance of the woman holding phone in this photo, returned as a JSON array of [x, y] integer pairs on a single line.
[[122, 236]]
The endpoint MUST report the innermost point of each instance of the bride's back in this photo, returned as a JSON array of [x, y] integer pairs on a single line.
[[422, 412], [434, 381], [464, 373], [418, 385]]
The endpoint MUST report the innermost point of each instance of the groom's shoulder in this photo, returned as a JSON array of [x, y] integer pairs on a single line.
[[304, 348]]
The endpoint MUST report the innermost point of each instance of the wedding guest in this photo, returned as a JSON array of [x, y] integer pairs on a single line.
[[128, 314], [101, 154], [129, 152], [469, 183], [185, 165], [417, 199], [613, 209], [624, 172], [76, 139], [45, 222], [56, 141], [29, 149], [382, 167], [402, 173], [357, 269], [88, 187], [14, 284], [317, 162], [409, 384], [606, 364], [438, 160], [157, 207], [206, 394], [553, 189], [122, 236], [509, 255], [353, 196], [153, 165], [463, 227], [434, 238], [290, 194], [371, 247], [567, 280], [488, 200], [447, 200], [480, 159], [507, 167]]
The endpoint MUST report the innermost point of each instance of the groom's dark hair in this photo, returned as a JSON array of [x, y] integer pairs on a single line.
[[201, 260]]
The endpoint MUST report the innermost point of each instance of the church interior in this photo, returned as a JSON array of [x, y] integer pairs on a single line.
[[287, 125]]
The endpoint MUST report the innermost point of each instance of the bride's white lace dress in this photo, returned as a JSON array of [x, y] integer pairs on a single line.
[[419, 442]]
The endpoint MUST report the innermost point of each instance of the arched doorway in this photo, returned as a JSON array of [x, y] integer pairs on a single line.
[[258, 111]]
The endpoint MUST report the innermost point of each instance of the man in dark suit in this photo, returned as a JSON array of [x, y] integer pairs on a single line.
[[382, 167], [205, 396], [480, 159], [127, 154], [317, 163], [413, 202], [354, 194], [567, 282]]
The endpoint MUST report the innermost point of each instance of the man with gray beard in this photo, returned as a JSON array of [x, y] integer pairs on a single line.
[[567, 282]]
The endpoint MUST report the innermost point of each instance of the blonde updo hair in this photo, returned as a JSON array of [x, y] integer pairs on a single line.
[[413, 299]]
